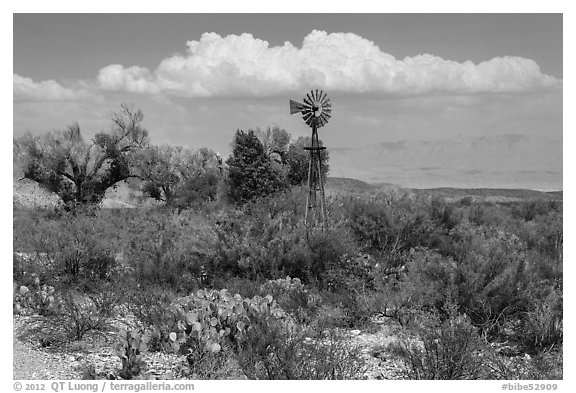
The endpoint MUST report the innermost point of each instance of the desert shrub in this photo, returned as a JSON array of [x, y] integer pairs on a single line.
[[546, 365], [169, 249], [486, 214], [204, 363], [445, 349], [422, 283], [274, 351], [443, 214], [330, 316], [348, 287], [389, 228], [78, 315], [544, 235], [264, 241], [542, 326], [245, 287], [493, 281], [72, 248], [529, 210], [151, 307], [88, 371], [74, 316], [293, 297], [149, 304]]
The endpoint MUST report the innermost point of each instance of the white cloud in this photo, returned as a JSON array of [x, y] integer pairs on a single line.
[[241, 65], [133, 79], [25, 89]]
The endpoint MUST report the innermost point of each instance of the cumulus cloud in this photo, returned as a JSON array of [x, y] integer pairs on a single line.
[[247, 66], [25, 89], [134, 79]]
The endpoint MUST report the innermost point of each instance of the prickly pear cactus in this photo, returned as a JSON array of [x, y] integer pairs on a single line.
[[210, 318], [38, 298], [129, 348]]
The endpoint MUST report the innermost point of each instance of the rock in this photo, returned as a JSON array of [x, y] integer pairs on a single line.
[[355, 332]]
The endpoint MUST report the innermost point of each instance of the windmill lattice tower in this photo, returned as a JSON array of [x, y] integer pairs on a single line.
[[316, 111]]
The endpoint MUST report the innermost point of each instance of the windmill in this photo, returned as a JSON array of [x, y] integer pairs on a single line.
[[316, 111]]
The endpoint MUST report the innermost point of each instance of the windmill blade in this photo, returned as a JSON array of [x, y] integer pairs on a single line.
[[311, 100], [306, 111], [322, 97], [295, 107], [308, 102], [320, 122], [318, 95], [308, 116]]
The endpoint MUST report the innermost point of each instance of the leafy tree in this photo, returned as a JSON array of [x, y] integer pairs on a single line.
[[276, 142], [250, 171], [77, 171], [298, 160], [290, 156], [178, 176]]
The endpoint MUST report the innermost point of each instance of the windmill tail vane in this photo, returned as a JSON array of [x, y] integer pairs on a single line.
[[316, 110], [295, 107]]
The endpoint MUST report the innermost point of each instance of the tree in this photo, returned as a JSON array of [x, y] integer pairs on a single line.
[[275, 142], [298, 160], [178, 176], [288, 156], [250, 171], [77, 171]]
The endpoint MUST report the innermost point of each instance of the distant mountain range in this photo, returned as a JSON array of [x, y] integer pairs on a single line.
[[508, 161]]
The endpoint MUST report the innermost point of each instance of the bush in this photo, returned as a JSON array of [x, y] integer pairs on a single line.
[[151, 307], [387, 228], [170, 249], [73, 248], [274, 351], [293, 297], [547, 365], [74, 316], [264, 241], [448, 349], [206, 364], [541, 327]]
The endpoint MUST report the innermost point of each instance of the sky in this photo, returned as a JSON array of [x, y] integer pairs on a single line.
[[434, 100]]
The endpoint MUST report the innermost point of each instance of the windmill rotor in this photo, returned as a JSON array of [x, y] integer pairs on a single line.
[[316, 108]]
